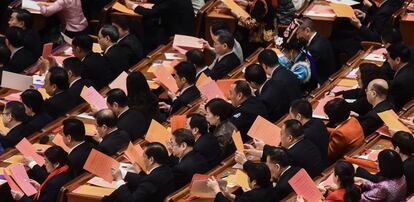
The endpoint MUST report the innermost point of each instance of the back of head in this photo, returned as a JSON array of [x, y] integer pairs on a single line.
[[106, 117], [196, 57], [198, 121], [345, 172], [137, 84], [404, 142], [255, 73], [337, 110], [390, 164], [241, 86], [302, 107], [294, 128], [306, 22], [117, 95], [121, 21], [219, 25], [158, 152], [16, 110], [391, 36], [186, 70], [279, 155], [74, 65], [23, 15], [15, 36], [183, 135], [75, 128], [268, 57], [59, 77], [220, 107], [225, 37], [260, 173], [369, 72], [380, 87], [111, 32], [399, 51], [33, 99], [83, 42], [56, 154]]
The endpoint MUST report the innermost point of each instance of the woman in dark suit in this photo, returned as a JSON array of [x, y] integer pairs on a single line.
[[34, 104]]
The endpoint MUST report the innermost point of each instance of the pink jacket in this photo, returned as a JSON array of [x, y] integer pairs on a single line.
[[70, 12]]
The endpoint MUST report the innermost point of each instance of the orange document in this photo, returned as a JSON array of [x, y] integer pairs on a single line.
[[58, 140], [166, 67], [178, 121], [184, 41], [90, 129], [240, 179], [100, 165], [15, 159], [146, 5], [123, 9], [135, 154], [152, 85], [303, 185], [236, 8], [120, 82], [348, 82], [43, 92], [203, 79], [90, 95], [390, 119], [27, 149], [41, 148], [157, 133], [371, 166], [3, 129], [12, 184], [47, 50], [211, 90], [343, 10], [166, 79], [93, 190], [237, 139], [319, 10], [319, 112], [225, 86], [21, 178], [96, 48], [265, 131]]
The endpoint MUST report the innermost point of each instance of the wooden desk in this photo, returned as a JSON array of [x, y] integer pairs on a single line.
[[213, 15], [323, 25], [407, 29]]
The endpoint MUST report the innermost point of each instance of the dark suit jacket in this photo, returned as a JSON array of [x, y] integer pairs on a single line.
[[97, 69], [315, 131], [321, 51], [117, 56], [184, 169], [402, 86], [187, 97], [207, 145], [257, 194], [20, 61], [370, 122], [76, 88], [409, 174], [245, 115], [33, 42], [361, 105], [59, 104], [14, 136], [224, 66], [135, 50], [77, 158], [134, 123], [113, 142], [283, 188], [37, 122], [140, 187]]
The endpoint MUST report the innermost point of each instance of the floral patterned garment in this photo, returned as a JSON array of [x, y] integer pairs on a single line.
[[385, 191]]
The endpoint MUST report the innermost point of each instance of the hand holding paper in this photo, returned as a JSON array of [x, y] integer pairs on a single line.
[[157, 133], [265, 131], [135, 154], [303, 185], [27, 149], [100, 165], [90, 95], [166, 79]]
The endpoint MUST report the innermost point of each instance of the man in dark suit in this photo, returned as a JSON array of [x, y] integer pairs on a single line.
[[157, 184], [185, 78], [402, 84], [319, 48], [56, 85], [314, 129], [205, 143], [115, 53], [226, 60], [128, 39], [110, 139], [76, 83], [130, 120], [247, 107], [13, 116], [196, 57], [185, 162], [21, 58], [94, 66], [377, 91]]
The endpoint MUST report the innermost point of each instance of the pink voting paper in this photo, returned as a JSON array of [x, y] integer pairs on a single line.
[[59, 59], [13, 186], [47, 50], [27, 149], [380, 51], [182, 50], [211, 90], [328, 181], [185, 42], [337, 89], [93, 97], [319, 112], [225, 85], [409, 17], [100, 165], [120, 82], [265, 131], [166, 79], [411, 199], [22, 179], [13, 97], [304, 186], [323, 9]]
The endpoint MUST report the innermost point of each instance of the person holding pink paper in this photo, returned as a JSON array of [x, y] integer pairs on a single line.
[[57, 167]]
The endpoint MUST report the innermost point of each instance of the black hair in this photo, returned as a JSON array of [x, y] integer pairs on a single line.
[[4, 55], [16, 110], [75, 128], [157, 151], [306, 22], [15, 36], [198, 121], [219, 25], [140, 96], [196, 57], [302, 107], [380, 90], [399, 50], [404, 141], [279, 155], [56, 154], [59, 77], [337, 110], [225, 37], [111, 31], [346, 173], [25, 16], [74, 65], [187, 70], [391, 36], [242, 87], [117, 95], [260, 173], [122, 21], [183, 135], [33, 99], [268, 57], [83, 42], [369, 72], [294, 128], [106, 117], [220, 108], [255, 73], [390, 164]]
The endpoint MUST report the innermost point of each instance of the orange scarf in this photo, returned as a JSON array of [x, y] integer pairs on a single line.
[[50, 176]]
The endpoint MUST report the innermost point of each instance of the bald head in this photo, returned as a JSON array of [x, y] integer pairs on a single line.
[[377, 91], [106, 117]]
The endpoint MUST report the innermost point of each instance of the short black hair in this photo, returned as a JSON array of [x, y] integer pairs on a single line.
[[157, 151], [111, 31], [294, 128], [59, 77], [380, 90], [306, 22], [292, 45], [399, 50], [369, 72], [390, 164], [219, 25], [302, 107], [122, 21], [33, 99], [260, 173], [15, 36], [279, 155], [83, 42], [4, 55], [242, 87], [187, 70], [196, 57], [117, 95], [268, 57], [106, 117], [255, 73], [16, 110], [24, 16], [75, 128], [392, 36], [55, 154], [74, 65], [183, 135], [225, 37], [220, 108], [404, 141], [337, 110], [198, 121]]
